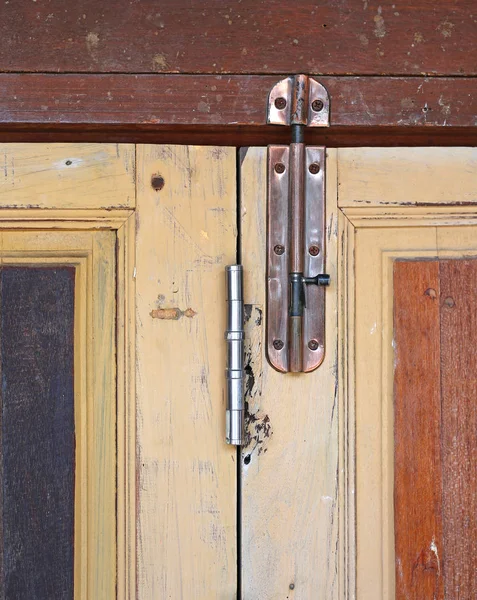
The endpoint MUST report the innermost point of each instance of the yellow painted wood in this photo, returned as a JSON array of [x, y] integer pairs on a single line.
[[186, 234], [290, 465], [93, 256], [407, 176], [66, 176], [126, 413]]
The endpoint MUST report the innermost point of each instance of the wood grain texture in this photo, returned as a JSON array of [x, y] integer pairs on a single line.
[[69, 176], [38, 432], [157, 103], [458, 324], [418, 467], [350, 37], [290, 463], [186, 234], [388, 177]]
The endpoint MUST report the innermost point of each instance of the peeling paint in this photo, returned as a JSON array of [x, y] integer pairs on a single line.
[[380, 29]]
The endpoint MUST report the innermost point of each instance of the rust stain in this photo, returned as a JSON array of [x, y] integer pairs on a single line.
[[172, 314]]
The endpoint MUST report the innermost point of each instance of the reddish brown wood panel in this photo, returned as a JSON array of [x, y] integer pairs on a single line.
[[417, 423], [209, 109], [459, 415], [350, 36], [208, 100]]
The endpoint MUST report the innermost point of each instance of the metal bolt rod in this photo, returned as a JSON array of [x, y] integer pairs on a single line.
[[234, 335]]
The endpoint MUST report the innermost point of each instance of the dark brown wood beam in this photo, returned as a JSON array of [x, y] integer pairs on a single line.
[[232, 109], [369, 37]]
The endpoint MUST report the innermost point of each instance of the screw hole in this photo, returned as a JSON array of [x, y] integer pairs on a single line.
[[247, 459], [157, 182]]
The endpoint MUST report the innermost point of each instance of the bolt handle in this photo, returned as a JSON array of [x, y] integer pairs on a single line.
[[321, 279]]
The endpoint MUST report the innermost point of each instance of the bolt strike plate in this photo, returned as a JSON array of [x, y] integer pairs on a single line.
[[299, 100], [278, 258]]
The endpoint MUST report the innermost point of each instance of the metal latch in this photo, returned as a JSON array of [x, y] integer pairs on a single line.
[[234, 373], [296, 229]]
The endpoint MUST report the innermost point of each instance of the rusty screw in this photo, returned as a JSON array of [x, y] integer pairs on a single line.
[[314, 250], [279, 249], [280, 103], [278, 344], [313, 345], [280, 168], [317, 105], [314, 168]]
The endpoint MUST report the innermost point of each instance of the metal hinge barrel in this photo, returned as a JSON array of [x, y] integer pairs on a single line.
[[234, 373]]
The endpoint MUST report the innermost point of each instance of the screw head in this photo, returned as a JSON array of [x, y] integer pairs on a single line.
[[313, 345], [280, 103], [314, 250], [278, 344], [314, 168], [279, 249], [280, 168], [317, 105]]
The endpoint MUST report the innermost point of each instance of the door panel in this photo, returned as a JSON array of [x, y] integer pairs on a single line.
[[407, 480], [186, 234], [290, 463]]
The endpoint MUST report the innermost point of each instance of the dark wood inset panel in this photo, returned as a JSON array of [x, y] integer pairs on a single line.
[[417, 423], [459, 432], [38, 438]]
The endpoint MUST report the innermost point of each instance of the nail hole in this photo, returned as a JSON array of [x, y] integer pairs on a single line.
[[247, 459], [69, 162], [157, 182]]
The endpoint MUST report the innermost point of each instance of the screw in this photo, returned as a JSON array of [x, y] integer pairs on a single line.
[[314, 168], [279, 249], [280, 168], [278, 344], [314, 250], [292, 586], [157, 182], [313, 345], [317, 105], [280, 103]]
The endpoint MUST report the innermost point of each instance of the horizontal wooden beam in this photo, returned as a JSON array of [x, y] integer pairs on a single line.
[[370, 37], [152, 101], [231, 109]]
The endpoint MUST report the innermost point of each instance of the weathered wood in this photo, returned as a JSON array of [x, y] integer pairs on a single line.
[[349, 37], [159, 102], [458, 283], [187, 492], [290, 462], [392, 177], [418, 464], [72, 176], [38, 432]]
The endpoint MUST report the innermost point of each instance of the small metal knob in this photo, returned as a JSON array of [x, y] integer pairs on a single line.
[[321, 279]]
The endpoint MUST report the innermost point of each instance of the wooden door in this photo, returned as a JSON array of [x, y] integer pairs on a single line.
[[123, 249], [116, 479], [408, 264]]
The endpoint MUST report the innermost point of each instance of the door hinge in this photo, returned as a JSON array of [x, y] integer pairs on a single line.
[[296, 249], [234, 373]]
